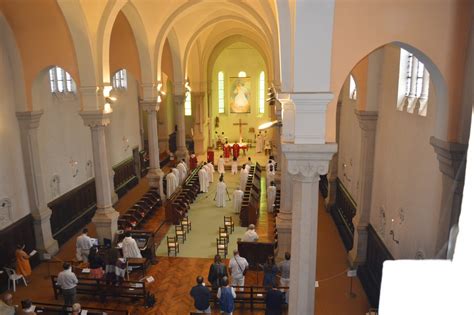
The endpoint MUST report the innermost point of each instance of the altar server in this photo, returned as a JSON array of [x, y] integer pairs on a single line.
[[203, 180], [221, 193], [221, 165], [238, 195], [171, 184]]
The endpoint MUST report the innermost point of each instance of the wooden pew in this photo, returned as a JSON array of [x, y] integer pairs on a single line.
[[250, 209], [251, 295], [134, 290], [51, 309], [256, 252]]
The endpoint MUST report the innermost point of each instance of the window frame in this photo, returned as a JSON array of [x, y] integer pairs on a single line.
[[261, 91], [61, 82], [120, 80], [220, 92]]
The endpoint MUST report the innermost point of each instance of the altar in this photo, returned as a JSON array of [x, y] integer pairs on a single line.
[[237, 146]]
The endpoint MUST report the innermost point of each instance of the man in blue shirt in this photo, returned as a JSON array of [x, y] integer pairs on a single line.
[[201, 296]]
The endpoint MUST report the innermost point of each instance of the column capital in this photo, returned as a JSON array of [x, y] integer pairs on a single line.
[[94, 118], [451, 157], [150, 105], [92, 97], [367, 119], [178, 99], [308, 160], [30, 119]]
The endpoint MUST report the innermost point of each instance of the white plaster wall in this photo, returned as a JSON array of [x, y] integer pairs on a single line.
[[124, 128], [12, 174], [406, 174], [62, 137], [238, 57], [349, 144]]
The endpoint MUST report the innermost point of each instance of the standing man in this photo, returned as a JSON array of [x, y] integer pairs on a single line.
[[221, 193], [201, 296], [259, 143], [177, 174], [203, 180], [83, 246], [210, 172], [274, 301], [67, 280], [244, 173], [183, 171], [221, 165], [129, 247], [284, 269], [171, 184], [271, 196], [238, 195], [238, 268]]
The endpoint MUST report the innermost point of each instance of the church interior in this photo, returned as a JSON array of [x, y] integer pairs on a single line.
[[341, 129]]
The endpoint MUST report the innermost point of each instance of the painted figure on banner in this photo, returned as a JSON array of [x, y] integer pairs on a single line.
[[240, 95]]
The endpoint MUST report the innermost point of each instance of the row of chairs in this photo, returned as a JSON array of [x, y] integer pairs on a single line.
[[222, 240], [181, 232], [134, 217]]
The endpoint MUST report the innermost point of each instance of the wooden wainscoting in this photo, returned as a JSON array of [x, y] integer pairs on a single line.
[[72, 211], [20, 232], [342, 213], [370, 273], [125, 177]]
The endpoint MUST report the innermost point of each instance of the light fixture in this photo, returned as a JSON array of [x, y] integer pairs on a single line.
[[161, 92], [270, 124], [109, 100]]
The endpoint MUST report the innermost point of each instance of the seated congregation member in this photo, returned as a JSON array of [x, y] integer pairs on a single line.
[[114, 266], [250, 235], [67, 280], [22, 262], [226, 295], [221, 192], [96, 264], [6, 305], [217, 272], [129, 247], [27, 308], [274, 301], [201, 296], [83, 245]]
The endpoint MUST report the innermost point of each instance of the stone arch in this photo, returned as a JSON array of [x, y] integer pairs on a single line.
[[21, 103], [178, 74]]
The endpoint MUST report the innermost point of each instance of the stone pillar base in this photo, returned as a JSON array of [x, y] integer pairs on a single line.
[[105, 220], [155, 179], [358, 254], [182, 154], [283, 224], [45, 243]]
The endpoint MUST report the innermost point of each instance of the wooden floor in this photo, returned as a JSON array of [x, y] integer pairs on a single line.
[[175, 276]]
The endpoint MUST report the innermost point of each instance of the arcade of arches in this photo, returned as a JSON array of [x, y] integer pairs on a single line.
[[101, 98]]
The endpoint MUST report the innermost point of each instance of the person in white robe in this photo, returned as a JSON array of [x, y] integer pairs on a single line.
[[203, 181], [247, 167], [270, 176], [221, 165], [182, 172], [129, 247], [270, 163], [234, 167], [177, 174], [243, 177], [271, 196], [171, 184], [83, 246], [210, 172], [221, 193], [259, 143], [238, 195], [250, 235]]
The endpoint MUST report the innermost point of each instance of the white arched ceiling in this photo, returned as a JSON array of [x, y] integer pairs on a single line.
[[218, 23], [178, 21], [285, 43], [178, 74], [17, 67]]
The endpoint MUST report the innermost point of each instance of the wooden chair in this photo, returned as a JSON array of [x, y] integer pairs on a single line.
[[221, 247], [185, 222], [180, 232], [223, 234], [229, 224], [173, 245]]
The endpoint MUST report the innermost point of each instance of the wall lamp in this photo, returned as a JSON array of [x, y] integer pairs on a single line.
[[270, 124]]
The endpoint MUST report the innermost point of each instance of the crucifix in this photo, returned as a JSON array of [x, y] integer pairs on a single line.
[[240, 123]]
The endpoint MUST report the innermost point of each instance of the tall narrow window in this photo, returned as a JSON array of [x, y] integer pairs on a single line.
[[119, 80], [352, 88], [187, 102], [61, 81], [220, 92], [261, 99]]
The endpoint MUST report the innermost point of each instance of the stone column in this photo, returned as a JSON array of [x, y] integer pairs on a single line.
[[452, 164], [199, 119], [108, 136], [368, 125], [155, 174], [105, 218], [29, 123], [283, 219], [306, 162], [181, 150], [333, 166]]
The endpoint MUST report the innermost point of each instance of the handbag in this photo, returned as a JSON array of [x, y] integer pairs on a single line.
[[243, 271]]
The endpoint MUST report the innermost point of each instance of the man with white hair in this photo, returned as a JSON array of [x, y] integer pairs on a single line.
[[250, 235], [6, 305], [238, 267]]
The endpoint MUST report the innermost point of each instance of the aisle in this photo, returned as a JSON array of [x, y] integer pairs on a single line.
[[206, 219]]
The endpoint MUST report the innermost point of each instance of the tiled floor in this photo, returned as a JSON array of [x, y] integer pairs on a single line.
[[175, 276]]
